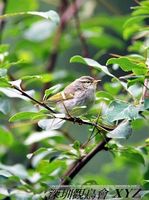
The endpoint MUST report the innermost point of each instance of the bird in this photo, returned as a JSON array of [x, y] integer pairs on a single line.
[[76, 98]]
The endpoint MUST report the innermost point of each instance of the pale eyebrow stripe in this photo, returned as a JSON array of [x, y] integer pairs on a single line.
[[83, 81]]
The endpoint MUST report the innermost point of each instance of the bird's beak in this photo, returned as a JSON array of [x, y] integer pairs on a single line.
[[96, 81]]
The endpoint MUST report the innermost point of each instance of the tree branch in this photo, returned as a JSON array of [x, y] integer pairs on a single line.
[[71, 119], [78, 165], [34, 100], [67, 14], [85, 51]]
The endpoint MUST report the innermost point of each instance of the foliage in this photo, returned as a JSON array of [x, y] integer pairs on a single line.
[[36, 144]]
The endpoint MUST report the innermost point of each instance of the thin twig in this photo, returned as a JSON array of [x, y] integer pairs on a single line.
[[111, 7], [92, 135]]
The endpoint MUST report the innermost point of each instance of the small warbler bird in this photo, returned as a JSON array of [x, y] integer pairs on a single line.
[[76, 98]]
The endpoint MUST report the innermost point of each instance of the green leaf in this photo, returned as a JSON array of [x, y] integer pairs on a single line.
[[147, 140], [122, 131], [92, 63], [104, 96], [142, 9], [131, 30], [40, 150], [17, 170], [121, 110], [2, 56], [7, 65], [23, 116], [13, 93], [50, 15], [38, 155], [41, 77], [133, 155], [50, 124], [35, 33], [136, 46], [76, 145], [4, 82], [47, 168], [6, 137], [134, 20], [113, 88], [128, 65], [39, 136], [52, 90], [139, 80], [135, 24]]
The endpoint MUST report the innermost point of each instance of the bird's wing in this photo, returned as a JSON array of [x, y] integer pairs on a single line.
[[67, 93], [61, 96]]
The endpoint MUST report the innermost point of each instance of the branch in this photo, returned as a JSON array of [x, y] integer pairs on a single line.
[[81, 36], [67, 14], [78, 165], [71, 119], [70, 12], [34, 100]]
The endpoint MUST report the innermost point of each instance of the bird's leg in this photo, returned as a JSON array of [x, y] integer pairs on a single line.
[[75, 119], [69, 115]]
